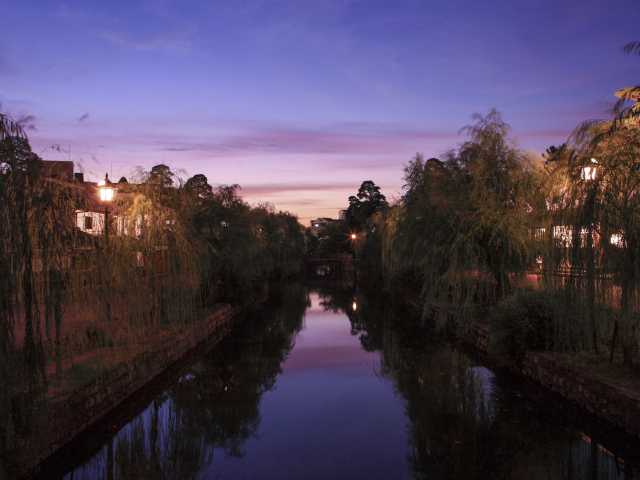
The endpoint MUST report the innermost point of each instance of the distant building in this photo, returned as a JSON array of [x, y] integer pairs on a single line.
[[90, 212], [89, 218]]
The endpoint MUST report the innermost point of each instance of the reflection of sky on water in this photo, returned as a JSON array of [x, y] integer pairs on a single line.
[[484, 378], [331, 414]]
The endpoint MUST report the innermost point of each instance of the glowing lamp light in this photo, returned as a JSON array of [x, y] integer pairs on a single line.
[[106, 191], [353, 236], [354, 306]]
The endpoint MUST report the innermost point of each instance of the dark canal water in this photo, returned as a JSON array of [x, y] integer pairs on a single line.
[[325, 386]]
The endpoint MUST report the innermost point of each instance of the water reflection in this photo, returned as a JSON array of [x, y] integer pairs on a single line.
[[467, 423], [328, 386], [211, 409]]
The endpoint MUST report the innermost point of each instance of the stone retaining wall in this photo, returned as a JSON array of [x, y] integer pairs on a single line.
[[610, 402], [68, 416], [614, 404]]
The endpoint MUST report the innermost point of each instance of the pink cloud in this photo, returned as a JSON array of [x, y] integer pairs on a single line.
[[347, 141]]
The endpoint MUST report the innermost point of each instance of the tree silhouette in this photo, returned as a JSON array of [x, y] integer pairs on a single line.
[[364, 204]]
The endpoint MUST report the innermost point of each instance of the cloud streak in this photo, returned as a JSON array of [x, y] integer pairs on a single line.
[[289, 141], [293, 187]]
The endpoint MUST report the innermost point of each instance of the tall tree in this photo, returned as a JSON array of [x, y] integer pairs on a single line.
[[161, 176], [364, 204], [198, 186], [499, 182]]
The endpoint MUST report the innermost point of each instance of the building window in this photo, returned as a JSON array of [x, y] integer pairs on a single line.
[[539, 233], [88, 222], [563, 234], [617, 240]]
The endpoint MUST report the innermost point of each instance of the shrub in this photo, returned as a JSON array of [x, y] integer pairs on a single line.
[[525, 321]]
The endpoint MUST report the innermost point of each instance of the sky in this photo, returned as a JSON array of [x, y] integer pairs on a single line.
[[300, 101]]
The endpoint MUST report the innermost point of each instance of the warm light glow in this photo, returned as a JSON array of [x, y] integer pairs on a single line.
[[588, 173], [540, 233], [354, 306], [106, 194], [353, 236], [563, 233], [106, 190], [616, 240]]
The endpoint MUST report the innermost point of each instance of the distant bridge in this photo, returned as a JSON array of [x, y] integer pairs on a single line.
[[330, 267]]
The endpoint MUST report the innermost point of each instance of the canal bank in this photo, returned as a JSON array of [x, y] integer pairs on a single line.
[[315, 388], [617, 403], [66, 416]]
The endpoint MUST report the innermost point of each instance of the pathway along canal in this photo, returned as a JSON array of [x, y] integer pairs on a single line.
[[329, 386]]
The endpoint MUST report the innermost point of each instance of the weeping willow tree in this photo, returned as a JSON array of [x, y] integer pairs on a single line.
[[463, 225], [10, 132], [34, 223], [160, 256], [596, 180], [417, 232], [608, 206], [501, 187], [567, 244]]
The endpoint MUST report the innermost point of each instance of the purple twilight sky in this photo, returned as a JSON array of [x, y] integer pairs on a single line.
[[299, 101]]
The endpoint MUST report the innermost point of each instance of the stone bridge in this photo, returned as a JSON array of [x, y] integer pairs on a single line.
[[330, 267]]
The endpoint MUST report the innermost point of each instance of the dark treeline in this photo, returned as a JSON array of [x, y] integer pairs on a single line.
[[73, 304], [546, 245]]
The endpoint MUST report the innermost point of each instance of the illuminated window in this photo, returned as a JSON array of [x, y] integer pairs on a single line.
[[617, 240], [88, 222], [589, 172], [563, 233]]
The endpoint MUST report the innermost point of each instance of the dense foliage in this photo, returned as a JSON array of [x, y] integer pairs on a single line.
[[72, 302], [476, 228]]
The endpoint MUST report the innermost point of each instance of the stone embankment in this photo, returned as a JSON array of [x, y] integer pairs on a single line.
[[610, 402], [606, 400], [71, 414]]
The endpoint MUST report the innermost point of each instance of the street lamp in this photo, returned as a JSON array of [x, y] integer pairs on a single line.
[[353, 238], [106, 192], [588, 174]]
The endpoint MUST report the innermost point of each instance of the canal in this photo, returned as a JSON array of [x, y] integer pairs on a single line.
[[327, 385]]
